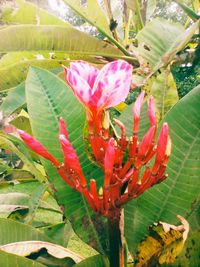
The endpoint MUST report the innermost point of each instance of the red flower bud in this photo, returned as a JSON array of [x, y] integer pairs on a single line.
[[71, 160], [163, 140], [109, 161], [37, 147], [146, 144], [136, 111]]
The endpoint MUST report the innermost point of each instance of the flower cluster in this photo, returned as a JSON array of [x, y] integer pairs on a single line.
[[125, 161]]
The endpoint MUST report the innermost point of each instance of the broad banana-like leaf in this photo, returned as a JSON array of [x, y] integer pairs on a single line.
[[179, 193], [14, 74], [10, 260], [160, 40], [13, 231], [25, 201], [25, 248], [163, 89], [54, 38], [27, 13], [92, 13], [49, 98]]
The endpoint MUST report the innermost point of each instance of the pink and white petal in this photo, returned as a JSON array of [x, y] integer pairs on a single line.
[[112, 84], [85, 70], [80, 87]]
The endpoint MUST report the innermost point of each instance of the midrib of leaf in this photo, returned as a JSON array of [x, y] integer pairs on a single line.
[[48, 97], [177, 176]]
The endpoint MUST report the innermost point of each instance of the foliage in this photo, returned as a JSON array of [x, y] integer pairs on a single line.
[[35, 204]]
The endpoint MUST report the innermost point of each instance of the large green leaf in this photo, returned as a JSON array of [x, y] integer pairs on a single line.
[[12, 231], [53, 38], [48, 98], [27, 13], [179, 193], [22, 199], [93, 14], [26, 248], [163, 89], [160, 40], [10, 260]]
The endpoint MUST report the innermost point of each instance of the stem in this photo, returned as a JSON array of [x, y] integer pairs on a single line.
[[116, 238]]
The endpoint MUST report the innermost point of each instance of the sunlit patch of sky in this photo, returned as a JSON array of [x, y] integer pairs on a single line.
[[173, 7], [61, 9], [58, 6]]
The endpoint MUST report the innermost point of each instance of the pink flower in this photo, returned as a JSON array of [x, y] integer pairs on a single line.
[[99, 89]]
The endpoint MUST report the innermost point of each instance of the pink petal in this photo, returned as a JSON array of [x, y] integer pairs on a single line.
[[37, 147], [137, 109], [85, 70], [80, 87], [152, 111], [112, 84]]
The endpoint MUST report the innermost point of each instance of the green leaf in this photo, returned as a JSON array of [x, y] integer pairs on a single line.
[[27, 13], [26, 248], [56, 100], [53, 38], [190, 256], [136, 6], [6, 143], [14, 74], [18, 201], [22, 122], [60, 233], [160, 40], [91, 13], [97, 261], [180, 190], [13, 231], [14, 100], [10, 260]]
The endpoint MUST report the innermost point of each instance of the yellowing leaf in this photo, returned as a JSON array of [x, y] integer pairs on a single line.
[[163, 244]]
